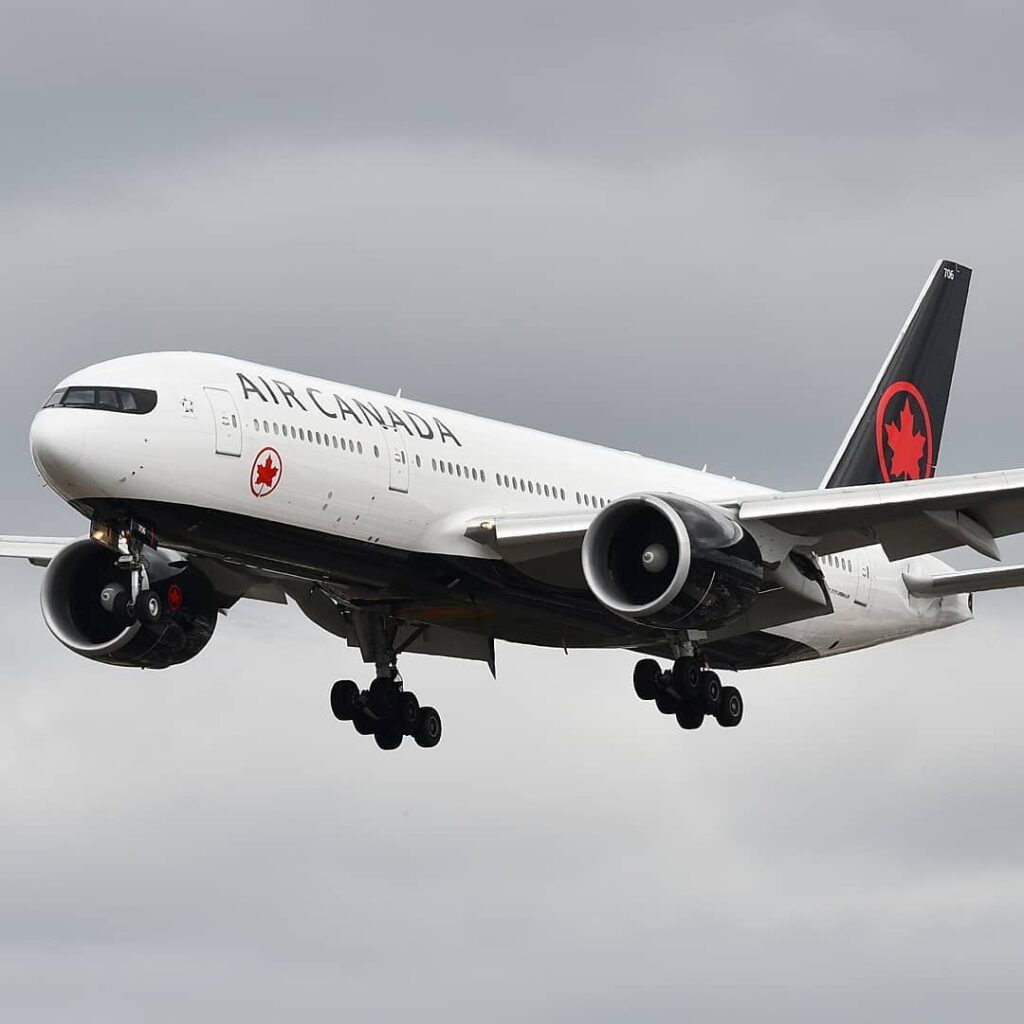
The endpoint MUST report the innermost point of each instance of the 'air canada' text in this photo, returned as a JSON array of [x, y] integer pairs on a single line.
[[334, 407]]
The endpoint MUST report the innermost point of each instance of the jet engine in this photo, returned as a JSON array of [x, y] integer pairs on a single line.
[[80, 608], [671, 562]]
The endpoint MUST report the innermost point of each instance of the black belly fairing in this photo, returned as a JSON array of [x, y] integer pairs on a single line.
[[480, 595]]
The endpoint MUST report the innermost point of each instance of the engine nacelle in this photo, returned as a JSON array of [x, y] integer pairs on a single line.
[[75, 614], [671, 562]]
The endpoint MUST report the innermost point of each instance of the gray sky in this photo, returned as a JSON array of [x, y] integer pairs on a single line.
[[682, 231]]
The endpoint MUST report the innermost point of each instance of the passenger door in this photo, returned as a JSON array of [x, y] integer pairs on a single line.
[[226, 421], [398, 461], [863, 581]]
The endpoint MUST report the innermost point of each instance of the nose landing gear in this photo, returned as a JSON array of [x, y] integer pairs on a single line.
[[689, 692], [135, 602]]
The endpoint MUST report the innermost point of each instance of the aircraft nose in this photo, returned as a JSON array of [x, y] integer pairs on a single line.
[[56, 445]]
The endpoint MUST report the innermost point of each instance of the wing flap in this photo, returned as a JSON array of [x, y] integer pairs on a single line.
[[914, 517]]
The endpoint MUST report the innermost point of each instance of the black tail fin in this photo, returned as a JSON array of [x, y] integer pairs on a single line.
[[897, 432]]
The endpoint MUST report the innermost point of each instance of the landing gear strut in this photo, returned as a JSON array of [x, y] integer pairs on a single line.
[[385, 710], [136, 602], [689, 691]]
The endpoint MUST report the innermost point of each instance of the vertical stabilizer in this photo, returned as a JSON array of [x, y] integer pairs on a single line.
[[896, 434]]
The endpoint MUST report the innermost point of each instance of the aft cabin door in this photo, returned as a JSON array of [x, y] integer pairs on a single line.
[[398, 461], [225, 418], [863, 582]]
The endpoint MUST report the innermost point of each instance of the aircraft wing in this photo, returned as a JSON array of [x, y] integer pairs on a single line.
[[38, 550], [907, 518]]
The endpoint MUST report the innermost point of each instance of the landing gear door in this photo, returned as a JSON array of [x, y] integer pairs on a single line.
[[226, 421], [398, 461], [863, 582]]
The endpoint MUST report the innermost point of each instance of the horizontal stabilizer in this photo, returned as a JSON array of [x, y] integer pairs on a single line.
[[969, 582]]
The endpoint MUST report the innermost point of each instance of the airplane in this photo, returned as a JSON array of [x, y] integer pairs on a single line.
[[405, 528]]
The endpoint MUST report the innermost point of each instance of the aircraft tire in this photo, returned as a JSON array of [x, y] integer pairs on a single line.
[[686, 678], [344, 697], [690, 715], [428, 728], [408, 714], [730, 711], [647, 678], [388, 737], [149, 608], [384, 694], [667, 704], [364, 725], [710, 691]]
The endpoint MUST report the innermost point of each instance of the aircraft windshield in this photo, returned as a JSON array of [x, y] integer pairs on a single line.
[[131, 400]]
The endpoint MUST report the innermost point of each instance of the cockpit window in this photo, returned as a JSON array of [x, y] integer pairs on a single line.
[[133, 400]]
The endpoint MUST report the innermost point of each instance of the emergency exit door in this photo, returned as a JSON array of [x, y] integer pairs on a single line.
[[225, 418]]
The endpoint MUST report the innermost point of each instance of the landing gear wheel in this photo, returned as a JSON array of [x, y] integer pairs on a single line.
[[389, 737], [647, 679], [730, 711], [363, 723], [149, 608], [690, 715], [408, 716], [710, 691], [344, 699], [384, 694], [686, 678], [666, 703], [428, 728]]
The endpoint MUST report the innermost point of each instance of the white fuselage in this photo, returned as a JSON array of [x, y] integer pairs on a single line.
[[386, 470]]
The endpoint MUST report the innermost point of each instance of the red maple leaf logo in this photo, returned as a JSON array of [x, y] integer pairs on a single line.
[[265, 473], [906, 444]]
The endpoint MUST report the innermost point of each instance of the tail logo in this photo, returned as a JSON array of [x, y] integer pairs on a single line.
[[903, 434]]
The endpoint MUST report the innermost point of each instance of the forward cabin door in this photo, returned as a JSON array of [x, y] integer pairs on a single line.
[[226, 421], [398, 461]]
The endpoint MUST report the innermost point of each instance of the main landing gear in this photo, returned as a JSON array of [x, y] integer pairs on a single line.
[[689, 692], [386, 711]]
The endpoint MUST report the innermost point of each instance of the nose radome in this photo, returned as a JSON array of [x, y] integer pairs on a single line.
[[56, 440]]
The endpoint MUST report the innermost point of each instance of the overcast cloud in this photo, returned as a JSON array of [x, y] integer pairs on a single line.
[[687, 231]]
